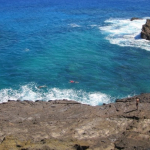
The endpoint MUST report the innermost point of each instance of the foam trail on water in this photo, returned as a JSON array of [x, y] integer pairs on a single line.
[[31, 92], [124, 32], [74, 25]]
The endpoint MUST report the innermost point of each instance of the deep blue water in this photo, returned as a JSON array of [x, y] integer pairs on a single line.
[[92, 42]]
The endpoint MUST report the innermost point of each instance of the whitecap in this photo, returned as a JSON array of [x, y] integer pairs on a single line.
[[124, 32], [33, 93], [93, 25], [74, 25], [26, 49]]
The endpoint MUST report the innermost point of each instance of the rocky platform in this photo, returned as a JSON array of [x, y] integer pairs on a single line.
[[69, 125]]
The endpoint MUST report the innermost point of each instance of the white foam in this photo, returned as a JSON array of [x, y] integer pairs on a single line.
[[31, 92], [27, 49], [74, 25], [124, 32], [93, 25]]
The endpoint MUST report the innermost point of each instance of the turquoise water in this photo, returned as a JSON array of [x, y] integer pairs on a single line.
[[47, 43]]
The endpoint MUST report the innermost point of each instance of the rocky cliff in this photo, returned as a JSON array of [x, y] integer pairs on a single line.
[[145, 34], [69, 125]]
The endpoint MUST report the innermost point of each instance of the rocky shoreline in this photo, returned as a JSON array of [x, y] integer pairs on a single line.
[[145, 33], [69, 125]]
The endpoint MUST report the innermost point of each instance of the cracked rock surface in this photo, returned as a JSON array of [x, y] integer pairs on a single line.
[[69, 125]]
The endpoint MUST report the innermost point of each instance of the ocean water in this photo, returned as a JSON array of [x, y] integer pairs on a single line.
[[92, 42]]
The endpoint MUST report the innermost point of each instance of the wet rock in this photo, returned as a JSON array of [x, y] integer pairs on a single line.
[[145, 34], [135, 18]]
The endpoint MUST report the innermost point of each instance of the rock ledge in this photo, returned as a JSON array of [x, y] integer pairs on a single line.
[[69, 125]]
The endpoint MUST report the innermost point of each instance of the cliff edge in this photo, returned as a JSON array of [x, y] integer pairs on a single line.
[[69, 125]]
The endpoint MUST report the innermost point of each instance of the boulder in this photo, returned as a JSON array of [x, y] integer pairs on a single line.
[[134, 18], [145, 34]]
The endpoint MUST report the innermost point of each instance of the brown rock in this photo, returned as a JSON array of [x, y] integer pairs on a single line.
[[69, 125], [145, 34]]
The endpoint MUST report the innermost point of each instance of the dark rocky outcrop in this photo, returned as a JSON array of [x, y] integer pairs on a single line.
[[69, 125], [145, 34], [78, 147], [135, 18]]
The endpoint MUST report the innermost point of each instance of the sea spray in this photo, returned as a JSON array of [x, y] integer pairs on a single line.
[[124, 32], [32, 92]]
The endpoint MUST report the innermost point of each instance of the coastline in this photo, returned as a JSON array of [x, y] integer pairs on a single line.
[[68, 125]]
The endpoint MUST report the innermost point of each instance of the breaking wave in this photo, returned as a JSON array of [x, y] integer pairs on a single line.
[[33, 93], [124, 32]]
